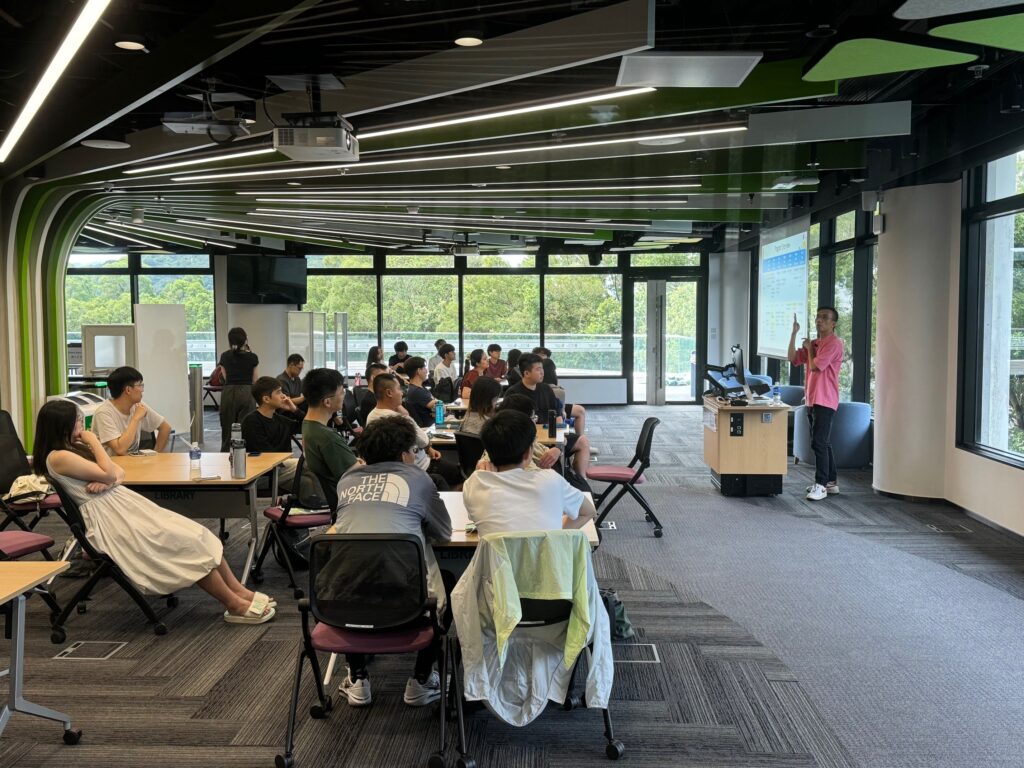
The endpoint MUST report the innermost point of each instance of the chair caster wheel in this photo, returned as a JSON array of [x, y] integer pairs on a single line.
[[298, 593], [615, 749], [159, 629], [465, 762], [319, 712], [571, 703], [81, 608], [284, 761], [172, 601], [435, 761], [657, 533], [58, 636], [72, 737], [257, 577]]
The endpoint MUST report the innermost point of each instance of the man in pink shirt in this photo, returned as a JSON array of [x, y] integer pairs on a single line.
[[822, 356]]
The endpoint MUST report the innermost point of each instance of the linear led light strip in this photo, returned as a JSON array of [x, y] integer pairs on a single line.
[[394, 218], [96, 239], [200, 160], [168, 233], [494, 201], [461, 155], [406, 188], [456, 225], [470, 191], [385, 238], [504, 113], [283, 235], [65, 53], [119, 236]]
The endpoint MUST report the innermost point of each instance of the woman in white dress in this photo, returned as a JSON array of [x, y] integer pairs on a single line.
[[158, 550]]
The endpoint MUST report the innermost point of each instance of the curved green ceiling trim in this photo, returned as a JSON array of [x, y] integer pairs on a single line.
[[997, 32], [872, 56]]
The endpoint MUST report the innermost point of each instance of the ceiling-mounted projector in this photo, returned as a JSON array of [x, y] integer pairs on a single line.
[[317, 137]]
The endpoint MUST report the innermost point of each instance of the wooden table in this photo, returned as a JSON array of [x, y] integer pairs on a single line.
[[17, 578], [542, 436], [164, 478]]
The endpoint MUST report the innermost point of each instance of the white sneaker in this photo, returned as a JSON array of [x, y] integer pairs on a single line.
[[831, 488], [357, 691], [817, 492], [421, 694]]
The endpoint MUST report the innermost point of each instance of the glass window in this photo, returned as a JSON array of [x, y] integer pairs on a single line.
[[812, 299], [665, 259], [581, 260], [419, 261], [520, 260], [501, 309], [340, 261], [681, 341], [640, 342], [95, 300], [846, 226], [583, 323], [874, 321], [1005, 177], [844, 329], [175, 261], [1001, 417], [814, 237], [80, 260], [195, 292], [356, 295], [419, 310]]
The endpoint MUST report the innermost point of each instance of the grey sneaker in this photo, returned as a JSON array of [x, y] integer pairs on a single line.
[[419, 694], [356, 691], [831, 488]]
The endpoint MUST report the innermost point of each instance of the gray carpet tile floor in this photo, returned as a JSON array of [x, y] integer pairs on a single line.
[[862, 630]]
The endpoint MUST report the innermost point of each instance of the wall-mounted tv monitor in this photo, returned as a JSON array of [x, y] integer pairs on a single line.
[[260, 279]]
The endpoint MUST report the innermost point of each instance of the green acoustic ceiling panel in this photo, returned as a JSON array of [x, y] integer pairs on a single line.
[[871, 56], [998, 32]]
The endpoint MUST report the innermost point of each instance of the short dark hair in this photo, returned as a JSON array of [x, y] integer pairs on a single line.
[[374, 367], [520, 403], [482, 395], [835, 314], [321, 383], [513, 357], [527, 361], [476, 356], [413, 364], [542, 351], [440, 343], [296, 359], [550, 372], [401, 346], [120, 378], [382, 382], [493, 348], [508, 436], [237, 338], [386, 439], [444, 349], [265, 386]]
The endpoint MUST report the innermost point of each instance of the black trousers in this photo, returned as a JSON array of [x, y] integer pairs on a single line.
[[445, 474], [820, 420]]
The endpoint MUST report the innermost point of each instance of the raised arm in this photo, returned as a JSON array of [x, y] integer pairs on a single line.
[[791, 353]]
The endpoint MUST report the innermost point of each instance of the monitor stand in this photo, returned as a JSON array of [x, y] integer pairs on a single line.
[[747, 393]]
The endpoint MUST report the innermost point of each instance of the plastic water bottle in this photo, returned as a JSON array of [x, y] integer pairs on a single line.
[[776, 395], [238, 459], [438, 414], [195, 462], [359, 379]]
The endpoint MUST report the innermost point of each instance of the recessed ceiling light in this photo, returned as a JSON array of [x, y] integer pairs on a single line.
[[820, 32], [503, 167], [468, 41], [130, 43], [294, 183], [105, 144], [660, 142], [520, 211]]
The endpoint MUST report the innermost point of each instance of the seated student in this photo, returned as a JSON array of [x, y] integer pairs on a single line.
[[266, 430], [482, 402], [512, 374], [397, 360], [513, 498], [478, 367], [119, 421], [432, 363], [531, 368], [577, 411], [419, 402], [327, 454], [445, 368], [368, 402], [291, 383], [369, 501], [388, 391], [543, 457], [160, 551], [375, 355], [496, 367]]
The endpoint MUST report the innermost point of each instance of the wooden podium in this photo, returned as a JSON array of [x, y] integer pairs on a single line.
[[745, 446]]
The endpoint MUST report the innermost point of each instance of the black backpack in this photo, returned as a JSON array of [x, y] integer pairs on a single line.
[[309, 494], [444, 390]]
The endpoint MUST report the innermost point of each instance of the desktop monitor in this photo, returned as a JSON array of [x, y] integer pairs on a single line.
[[739, 370]]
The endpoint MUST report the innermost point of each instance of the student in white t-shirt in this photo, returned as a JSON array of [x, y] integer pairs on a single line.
[[515, 498], [120, 421]]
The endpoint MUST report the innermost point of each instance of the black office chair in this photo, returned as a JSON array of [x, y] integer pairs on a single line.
[[470, 448], [13, 464], [625, 479], [105, 567]]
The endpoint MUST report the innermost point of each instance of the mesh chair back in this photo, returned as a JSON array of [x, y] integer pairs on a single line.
[[308, 494], [470, 449], [643, 443], [372, 581], [348, 407], [75, 521], [13, 461]]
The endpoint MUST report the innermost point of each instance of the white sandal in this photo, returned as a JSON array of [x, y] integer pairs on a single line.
[[270, 601], [258, 612]]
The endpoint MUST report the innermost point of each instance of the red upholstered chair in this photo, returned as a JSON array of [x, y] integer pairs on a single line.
[[17, 544], [368, 595], [13, 464], [280, 518], [625, 480]]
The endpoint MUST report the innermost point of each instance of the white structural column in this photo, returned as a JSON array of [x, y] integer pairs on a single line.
[[728, 306], [922, 231]]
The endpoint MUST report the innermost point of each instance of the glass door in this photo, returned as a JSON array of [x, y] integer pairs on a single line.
[[666, 352]]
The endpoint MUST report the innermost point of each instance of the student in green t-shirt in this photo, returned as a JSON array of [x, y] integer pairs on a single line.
[[327, 454]]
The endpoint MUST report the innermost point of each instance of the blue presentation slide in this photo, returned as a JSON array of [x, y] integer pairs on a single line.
[[781, 292]]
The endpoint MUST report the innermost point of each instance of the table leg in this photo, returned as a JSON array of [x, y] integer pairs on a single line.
[[253, 534], [274, 488], [16, 701]]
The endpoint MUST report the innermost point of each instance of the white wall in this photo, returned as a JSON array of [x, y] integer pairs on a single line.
[[266, 324], [728, 305]]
